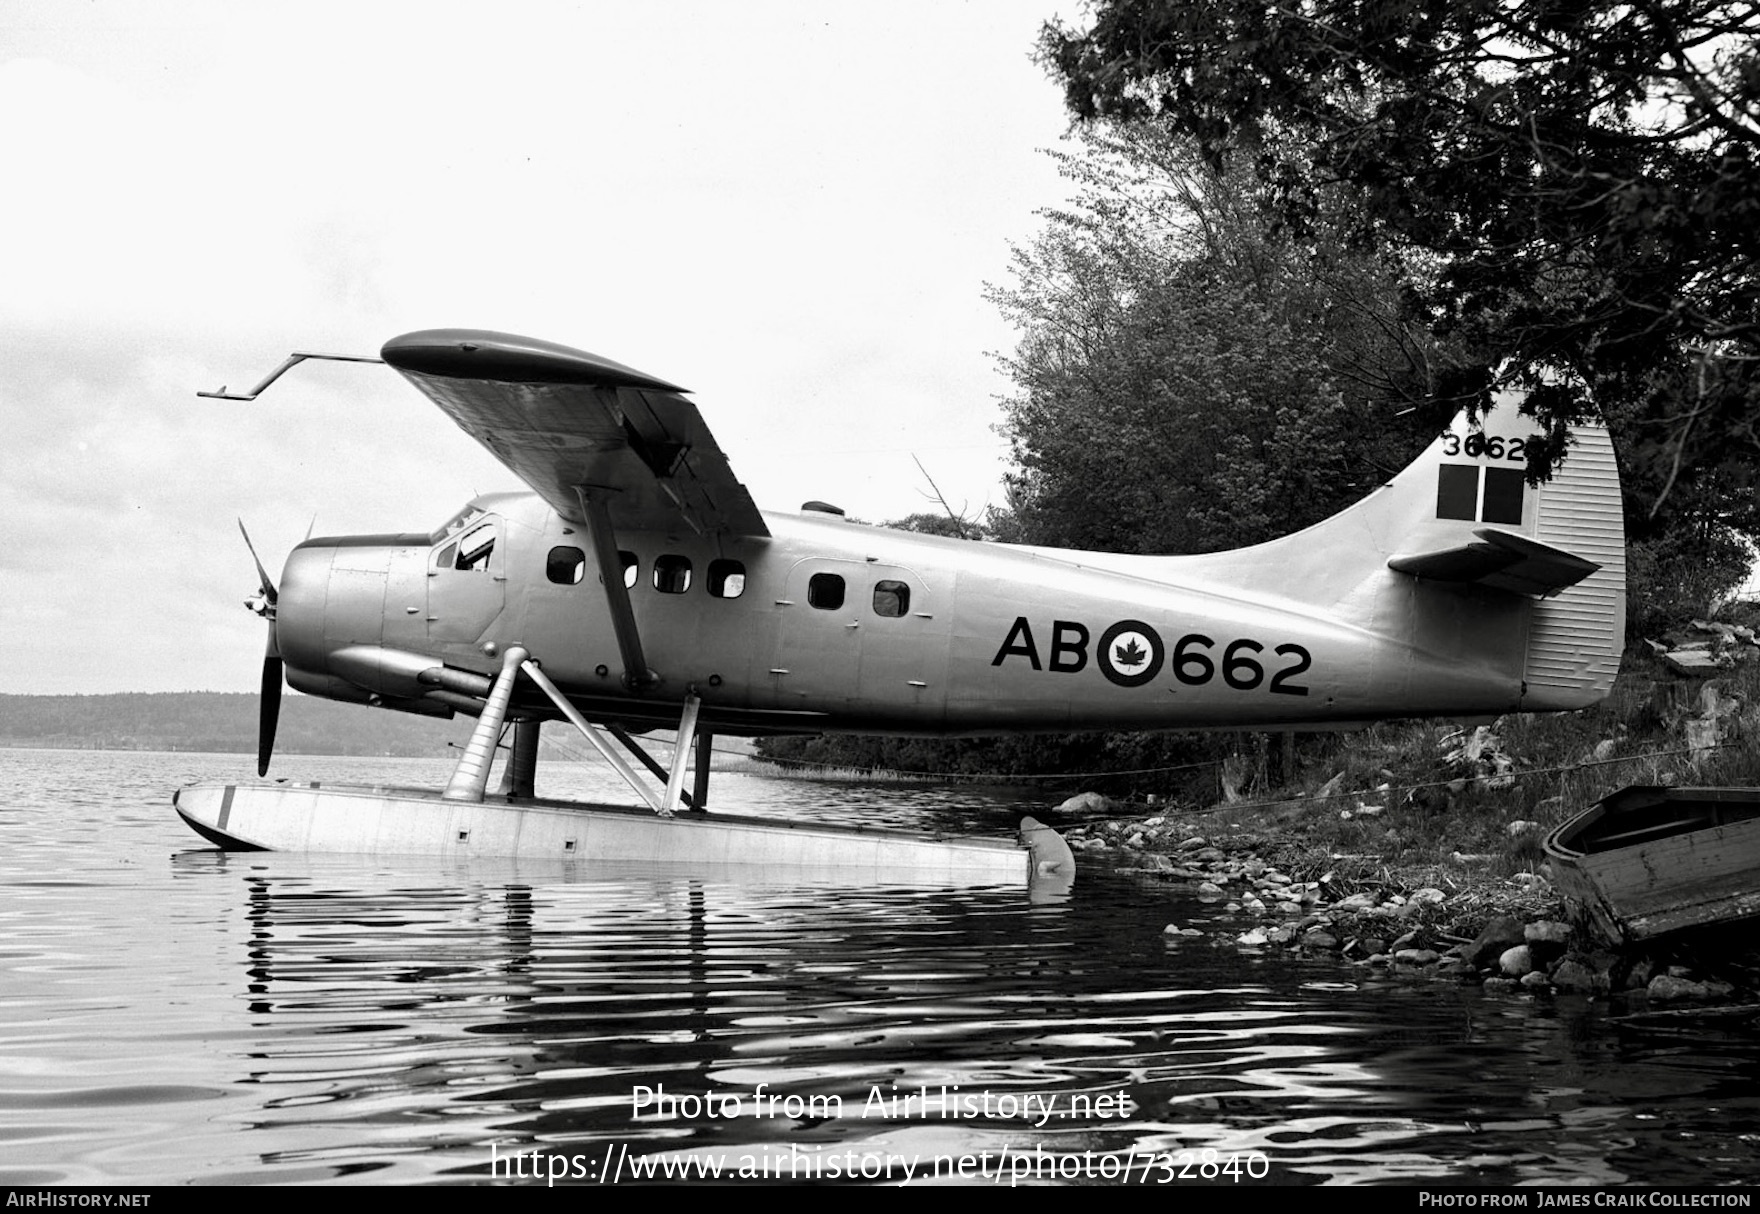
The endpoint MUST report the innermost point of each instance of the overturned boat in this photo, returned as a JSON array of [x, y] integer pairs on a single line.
[[1647, 861]]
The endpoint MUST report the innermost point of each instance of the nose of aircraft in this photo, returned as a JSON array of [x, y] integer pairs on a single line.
[[299, 621]]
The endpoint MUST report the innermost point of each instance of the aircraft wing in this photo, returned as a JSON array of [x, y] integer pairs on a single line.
[[1499, 559], [562, 418]]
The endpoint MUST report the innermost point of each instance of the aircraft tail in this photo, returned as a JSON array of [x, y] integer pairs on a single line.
[[1459, 557], [1575, 637]]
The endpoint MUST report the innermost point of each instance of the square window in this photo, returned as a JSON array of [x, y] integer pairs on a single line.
[[672, 574], [825, 591], [565, 565], [727, 579], [891, 599]]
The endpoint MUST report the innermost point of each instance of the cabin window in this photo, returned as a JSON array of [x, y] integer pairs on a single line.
[[632, 569], [891, 599], [727, 579], [672, 574], [825, 591], [565, 565], [475, 547]]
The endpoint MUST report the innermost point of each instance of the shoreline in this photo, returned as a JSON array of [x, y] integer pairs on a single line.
[[1458, 921]]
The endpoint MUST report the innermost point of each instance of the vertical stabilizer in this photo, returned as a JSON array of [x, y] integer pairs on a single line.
[[1569, 530], [1464, 564]]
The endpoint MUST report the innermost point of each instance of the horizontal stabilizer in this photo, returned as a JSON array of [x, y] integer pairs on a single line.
[[1503, 561]]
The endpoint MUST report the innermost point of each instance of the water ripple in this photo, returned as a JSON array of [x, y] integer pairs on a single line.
[[170, 1015]]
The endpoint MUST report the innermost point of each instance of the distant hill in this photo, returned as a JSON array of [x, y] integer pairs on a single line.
[[218, 721]]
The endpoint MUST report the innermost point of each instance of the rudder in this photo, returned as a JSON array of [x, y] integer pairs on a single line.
[[1575, 638]]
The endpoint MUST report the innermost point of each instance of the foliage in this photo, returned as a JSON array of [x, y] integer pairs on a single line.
[[948, 524], [1578, 179], [1187, 381], [1681, 577]]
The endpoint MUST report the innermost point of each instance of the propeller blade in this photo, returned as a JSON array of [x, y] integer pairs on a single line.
[[269, 709], [268, 587]]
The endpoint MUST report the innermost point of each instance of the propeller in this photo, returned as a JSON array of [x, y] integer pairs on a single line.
[[269, 701]]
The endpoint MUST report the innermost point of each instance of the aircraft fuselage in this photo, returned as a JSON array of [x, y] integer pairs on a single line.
[[828, 625]]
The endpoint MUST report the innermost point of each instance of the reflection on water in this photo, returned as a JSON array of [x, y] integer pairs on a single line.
[[169, 1014]]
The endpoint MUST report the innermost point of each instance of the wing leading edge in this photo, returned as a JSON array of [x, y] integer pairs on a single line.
[[563, 420]]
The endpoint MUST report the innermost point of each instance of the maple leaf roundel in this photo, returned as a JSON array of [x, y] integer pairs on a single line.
[[1130, 653]]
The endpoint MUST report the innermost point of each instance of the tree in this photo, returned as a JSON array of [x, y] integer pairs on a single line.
[[1187, 380], [1580, 175], [946, 523]]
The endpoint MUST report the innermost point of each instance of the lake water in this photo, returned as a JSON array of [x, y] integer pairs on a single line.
[[170, 1015]]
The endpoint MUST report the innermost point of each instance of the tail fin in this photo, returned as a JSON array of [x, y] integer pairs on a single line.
[[1461, 527], [1561, 542]]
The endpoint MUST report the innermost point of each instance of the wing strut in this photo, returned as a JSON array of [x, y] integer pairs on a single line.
[[636, 675]]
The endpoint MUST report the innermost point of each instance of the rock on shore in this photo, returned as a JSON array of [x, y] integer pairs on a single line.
[[1520, 940]]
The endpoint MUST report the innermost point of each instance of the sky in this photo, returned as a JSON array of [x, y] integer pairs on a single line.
[[792, 209]]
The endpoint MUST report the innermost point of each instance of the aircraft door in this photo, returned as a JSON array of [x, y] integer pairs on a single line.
[[467, 581], [818, 654], [904, 646]]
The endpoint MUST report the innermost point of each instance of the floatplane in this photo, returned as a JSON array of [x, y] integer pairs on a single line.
[[636, 586]]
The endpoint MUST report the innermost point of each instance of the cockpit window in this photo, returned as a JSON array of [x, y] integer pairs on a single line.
[[452, 526], [475, 547], [443, 560]]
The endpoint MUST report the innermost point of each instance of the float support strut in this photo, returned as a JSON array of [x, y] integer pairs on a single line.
[[700, 786], [647, 760], [522, 760], [681, 750], [471, 777], [592, 735]]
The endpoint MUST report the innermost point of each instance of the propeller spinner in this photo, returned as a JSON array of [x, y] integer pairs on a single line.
[[269, 701]]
